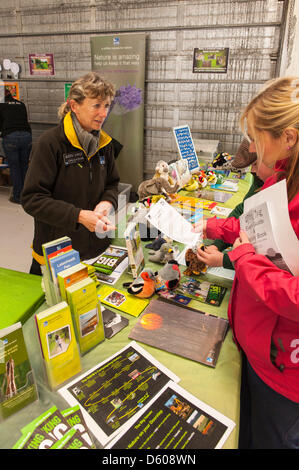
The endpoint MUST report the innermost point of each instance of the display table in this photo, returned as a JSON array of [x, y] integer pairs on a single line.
[[218, 387], [20, 296]]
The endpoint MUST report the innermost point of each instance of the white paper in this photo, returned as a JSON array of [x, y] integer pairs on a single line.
[[226, 186], [222, 211], [219, 271], [99, 433], [172, 224], [199, 408], [267, 223]]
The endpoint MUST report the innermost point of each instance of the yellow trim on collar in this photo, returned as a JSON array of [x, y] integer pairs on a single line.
[[40, 259], [73, 139]]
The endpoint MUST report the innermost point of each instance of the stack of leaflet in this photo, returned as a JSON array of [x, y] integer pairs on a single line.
[[56, 429]]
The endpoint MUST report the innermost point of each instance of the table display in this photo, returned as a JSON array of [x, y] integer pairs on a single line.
[[204, 388]]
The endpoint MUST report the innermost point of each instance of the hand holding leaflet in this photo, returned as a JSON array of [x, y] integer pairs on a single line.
[[172, 224]]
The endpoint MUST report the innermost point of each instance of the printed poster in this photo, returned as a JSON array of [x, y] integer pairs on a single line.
[[41, 64], [175, 420], [210, 60], [117, 389], [13, 87], [120, 59]]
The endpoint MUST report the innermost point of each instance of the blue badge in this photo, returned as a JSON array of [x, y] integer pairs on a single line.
[[102, 159]]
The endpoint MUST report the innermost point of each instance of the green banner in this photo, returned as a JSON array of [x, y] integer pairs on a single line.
[[121, 60]]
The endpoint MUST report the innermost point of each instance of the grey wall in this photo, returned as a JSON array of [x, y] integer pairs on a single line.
[[209, 103]]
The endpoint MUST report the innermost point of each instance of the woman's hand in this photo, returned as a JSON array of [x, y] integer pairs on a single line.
[[103, 207], [211, 256], [243, 238], [91, 220]]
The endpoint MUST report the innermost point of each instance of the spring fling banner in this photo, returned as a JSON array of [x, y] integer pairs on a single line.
[[120, 59]]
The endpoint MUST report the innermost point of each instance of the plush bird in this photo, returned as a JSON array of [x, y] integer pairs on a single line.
[[192, 184], [169, 276], [194, 266], [159, 240], [164, 254], [143, 286]]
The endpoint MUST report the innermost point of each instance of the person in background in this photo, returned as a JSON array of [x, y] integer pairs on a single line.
[[72, 181], [16, 140], [263, 309], [260, 173]]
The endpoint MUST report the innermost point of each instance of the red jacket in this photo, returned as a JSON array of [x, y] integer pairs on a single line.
[[264, 307]]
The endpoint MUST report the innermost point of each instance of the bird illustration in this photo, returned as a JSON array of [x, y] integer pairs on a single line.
[[143, 286]]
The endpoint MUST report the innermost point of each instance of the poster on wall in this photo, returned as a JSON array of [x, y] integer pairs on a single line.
[[67, 87], [41, 64], [210, 60], [13, 87], [120, 59]]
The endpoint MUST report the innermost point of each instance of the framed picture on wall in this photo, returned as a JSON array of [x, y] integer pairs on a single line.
[[41, 64], [210, 60], [13, 87]]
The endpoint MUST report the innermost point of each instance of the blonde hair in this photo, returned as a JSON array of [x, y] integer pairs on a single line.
[[91, 85], [273, 109]]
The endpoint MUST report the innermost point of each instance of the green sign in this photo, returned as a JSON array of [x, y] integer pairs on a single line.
[[67, 87], [120, 59]]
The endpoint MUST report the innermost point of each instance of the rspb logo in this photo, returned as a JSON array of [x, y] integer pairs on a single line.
[[116, 41]]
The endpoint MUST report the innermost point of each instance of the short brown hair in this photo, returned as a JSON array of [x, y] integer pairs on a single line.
[[91, 85]]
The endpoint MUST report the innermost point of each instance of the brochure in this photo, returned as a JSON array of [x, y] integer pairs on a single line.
[[221, 211], [172, 224], [267, 223], [111, 264], [227, 185], [217, 196], [170, 326], [114, 391], [113, 322], [121, 300], [175, 420], [203, 291]]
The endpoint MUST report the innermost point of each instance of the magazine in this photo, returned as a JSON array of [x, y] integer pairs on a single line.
[[169, 326], [175, 419]]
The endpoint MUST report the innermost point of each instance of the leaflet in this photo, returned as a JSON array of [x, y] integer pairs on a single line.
[[267, 223], [175, 420], [172, 224]]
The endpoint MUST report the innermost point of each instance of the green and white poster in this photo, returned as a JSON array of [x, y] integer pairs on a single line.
[[120, 59]]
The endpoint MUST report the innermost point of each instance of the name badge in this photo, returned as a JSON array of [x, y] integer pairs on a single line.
[[72, 158], [102, 159]]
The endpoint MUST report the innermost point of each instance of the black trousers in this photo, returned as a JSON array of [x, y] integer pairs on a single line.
[[35, 268], [268, 420]]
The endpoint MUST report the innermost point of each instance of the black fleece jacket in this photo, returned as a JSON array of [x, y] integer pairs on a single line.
[[61, 181]]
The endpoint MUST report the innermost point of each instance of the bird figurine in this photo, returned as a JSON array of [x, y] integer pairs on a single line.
[[169, 276], [143, 286]]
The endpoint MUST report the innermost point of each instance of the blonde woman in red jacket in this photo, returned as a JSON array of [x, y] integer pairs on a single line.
[[264, 304]]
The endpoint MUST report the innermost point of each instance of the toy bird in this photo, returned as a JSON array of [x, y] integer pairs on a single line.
[[194, 266], [164, 254], [143, 286], [192, 184], [159, 240], [169, 276]]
